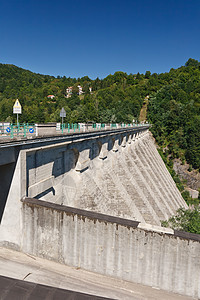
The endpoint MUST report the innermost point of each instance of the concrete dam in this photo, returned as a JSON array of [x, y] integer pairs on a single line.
[[96, 202]]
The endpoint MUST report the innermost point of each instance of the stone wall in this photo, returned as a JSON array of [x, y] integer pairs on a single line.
[[113, 246]]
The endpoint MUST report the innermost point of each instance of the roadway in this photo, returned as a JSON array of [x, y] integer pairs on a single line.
[[35, 270], [47, 140]]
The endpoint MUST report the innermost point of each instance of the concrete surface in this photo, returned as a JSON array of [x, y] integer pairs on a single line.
[[112, 246], [118, 174], [113, 175], [33, 269]]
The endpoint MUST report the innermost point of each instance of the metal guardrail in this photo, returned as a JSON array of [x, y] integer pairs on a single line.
[[17, 130], [30, 130], [83, 127]]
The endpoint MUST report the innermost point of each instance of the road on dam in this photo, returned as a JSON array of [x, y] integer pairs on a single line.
[[40, 271]]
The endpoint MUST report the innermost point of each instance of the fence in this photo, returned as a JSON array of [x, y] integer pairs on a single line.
[[83, 127], [27, 130], [18, 130]]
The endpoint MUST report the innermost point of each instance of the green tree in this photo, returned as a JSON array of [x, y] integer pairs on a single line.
[[192, 62], [185, 220], [147, 74]]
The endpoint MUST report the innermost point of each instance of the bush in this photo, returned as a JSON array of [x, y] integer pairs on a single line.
[[185, 220]]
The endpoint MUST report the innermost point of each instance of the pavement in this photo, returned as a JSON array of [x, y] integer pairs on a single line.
[[37, 271]]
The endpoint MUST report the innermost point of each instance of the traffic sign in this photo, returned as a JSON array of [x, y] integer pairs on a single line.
[[31, 130], [62, 113], [17, 109]]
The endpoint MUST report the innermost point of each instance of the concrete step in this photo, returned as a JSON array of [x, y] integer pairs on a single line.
[[179, 201], [163, 180], [144, 160], [146, 184], [136, 192]]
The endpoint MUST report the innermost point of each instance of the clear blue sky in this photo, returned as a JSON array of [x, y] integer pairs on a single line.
[[99, 37]]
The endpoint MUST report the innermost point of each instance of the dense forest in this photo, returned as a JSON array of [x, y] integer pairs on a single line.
[[173, 100]]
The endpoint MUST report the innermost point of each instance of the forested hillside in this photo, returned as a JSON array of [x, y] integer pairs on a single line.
[[173, 105], [118, 97], [174, 111]]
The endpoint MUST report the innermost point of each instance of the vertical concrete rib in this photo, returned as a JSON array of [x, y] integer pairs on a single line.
[[163, 180], [136, 192], [130, 184], [165, 173], [156, 175], [147, 178]]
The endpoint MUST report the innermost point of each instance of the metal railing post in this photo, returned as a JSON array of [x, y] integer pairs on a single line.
[[11, 131], [24, 130]]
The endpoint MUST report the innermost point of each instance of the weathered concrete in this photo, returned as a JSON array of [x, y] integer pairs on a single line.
[[45, 129], [112, 246], [40, 271], [113, 174], [7, 156], [117, 173]]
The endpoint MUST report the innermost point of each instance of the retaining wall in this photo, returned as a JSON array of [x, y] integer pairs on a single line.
[[112, 246]]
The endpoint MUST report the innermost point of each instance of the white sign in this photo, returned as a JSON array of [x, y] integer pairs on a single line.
[[63, 113], [17, 109]]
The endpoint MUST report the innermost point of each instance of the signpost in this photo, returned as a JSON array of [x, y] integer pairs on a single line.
[[17, 109], [62, 115]]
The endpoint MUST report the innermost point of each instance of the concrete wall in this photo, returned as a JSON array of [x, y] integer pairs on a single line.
[[45, 129], [121, 175], [50, 172], [112, 246]]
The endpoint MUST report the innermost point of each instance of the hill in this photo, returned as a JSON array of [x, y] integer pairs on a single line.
[[173, 103]]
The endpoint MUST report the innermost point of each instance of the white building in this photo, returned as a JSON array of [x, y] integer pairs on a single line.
[[69, 91], [50, 96], [80, 90]]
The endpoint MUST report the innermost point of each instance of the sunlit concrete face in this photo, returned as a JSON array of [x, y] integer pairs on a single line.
[[112, 246], [117, 175]]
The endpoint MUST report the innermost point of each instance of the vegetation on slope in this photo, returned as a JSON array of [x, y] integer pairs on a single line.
[[173, 103], [174, 111], [112, 99], [170, 101], [185, 220]]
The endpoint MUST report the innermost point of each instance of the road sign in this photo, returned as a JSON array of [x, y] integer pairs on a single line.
[[63, 113], [17, 109], [31, 130]]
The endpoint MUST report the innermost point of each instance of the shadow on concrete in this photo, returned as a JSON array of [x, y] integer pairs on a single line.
[[50, 190], [18, 289], [6, 176]]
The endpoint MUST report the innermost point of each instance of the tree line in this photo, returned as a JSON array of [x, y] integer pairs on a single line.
[[173, 105]]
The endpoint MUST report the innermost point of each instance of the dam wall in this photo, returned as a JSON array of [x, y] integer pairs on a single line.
[[95, 202], [122, 248], [118, 174]]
